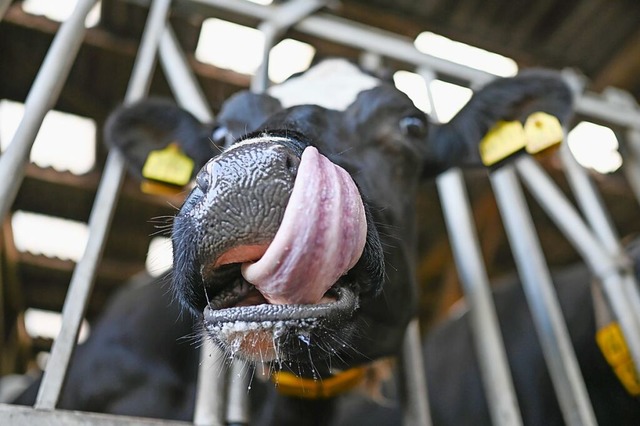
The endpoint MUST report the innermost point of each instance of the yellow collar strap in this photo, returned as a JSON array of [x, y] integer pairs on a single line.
[[291, 385]]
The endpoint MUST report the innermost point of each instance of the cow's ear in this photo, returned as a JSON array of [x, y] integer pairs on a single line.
[[245, 111], [152, 125], [515, 99]]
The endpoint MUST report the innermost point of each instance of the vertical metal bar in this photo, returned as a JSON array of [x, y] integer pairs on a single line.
[[212, 378], [99, 222], [41, 98], [237, 395], [210, 394], [282, 18], [571, 224], [417, 407], [494, 368], [545, 309]]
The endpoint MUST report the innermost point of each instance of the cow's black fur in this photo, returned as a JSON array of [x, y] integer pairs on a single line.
[[149, 366], [384, 142]]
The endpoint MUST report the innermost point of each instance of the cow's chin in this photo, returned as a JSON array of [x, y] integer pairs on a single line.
[[248, 327]]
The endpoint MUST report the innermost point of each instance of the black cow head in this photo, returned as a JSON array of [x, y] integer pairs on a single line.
[[297, 242]]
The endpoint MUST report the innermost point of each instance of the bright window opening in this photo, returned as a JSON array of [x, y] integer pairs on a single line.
[[47, 324], [289, 57], [65, 142], [448, 98], [239, 48], [415, 87], [464, 54], [159, 256], [60, 10], [595, 147], [49, 236], [230, 46]]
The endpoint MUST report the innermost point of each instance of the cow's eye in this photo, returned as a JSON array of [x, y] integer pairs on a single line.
[[414, 127]]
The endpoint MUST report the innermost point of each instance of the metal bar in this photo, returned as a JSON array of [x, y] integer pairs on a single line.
[[41, 98], [594, 211], [492, 358], [594, 105], [212, 379], [16, 415], [210, 395], [357, 35], [545, 309], [414, 378], [401, 48], [99, 223], [182, 81], [487, 338], [590, 203], [238, 392], [284, 17], [571, 224]]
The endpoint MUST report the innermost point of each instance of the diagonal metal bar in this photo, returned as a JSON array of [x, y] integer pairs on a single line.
[[599, 261], [487, 338], [211, 396], [594, 211], [43, 95], [99, 223], [545, 308], [284, 16], [492, 358]]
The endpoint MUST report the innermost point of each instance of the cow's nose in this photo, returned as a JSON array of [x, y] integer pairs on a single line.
[[288, 161]]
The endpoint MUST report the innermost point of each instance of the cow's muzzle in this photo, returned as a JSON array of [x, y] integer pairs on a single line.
[[278, 228]]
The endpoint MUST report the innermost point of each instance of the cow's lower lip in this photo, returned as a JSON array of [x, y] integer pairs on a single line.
[[345, 303]]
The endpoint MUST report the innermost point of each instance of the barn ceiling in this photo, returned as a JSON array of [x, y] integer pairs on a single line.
[[600, 38]]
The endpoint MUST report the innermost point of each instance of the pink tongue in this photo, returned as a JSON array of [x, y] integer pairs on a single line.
[[321, 237]]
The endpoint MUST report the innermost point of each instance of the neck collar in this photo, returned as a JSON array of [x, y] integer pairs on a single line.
[[321, 388]]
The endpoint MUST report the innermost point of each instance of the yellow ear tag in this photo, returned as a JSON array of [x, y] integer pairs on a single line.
[[504, 139], [614, 348], [169, 165], [543, 131]]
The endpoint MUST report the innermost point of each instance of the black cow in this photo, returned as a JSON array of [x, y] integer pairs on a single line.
[[456, 392], [296, 246]]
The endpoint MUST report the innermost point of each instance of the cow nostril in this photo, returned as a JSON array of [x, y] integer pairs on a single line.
[[206, 178], [202, 182], [291, 163]]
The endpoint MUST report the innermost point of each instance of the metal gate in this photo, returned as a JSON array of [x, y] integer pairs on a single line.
[[588, 229]]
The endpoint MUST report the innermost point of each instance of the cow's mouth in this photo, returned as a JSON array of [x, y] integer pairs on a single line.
[[279, 293]]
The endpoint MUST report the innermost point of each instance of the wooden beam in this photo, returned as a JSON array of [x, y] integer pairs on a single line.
[[623, 70]]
